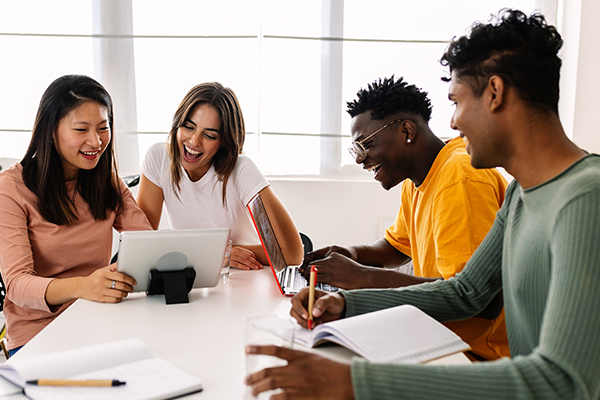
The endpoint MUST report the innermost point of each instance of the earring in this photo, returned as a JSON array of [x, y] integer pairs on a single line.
[[408, 141]]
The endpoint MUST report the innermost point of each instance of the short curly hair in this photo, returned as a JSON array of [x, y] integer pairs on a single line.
[[521, 50], [384, 98]]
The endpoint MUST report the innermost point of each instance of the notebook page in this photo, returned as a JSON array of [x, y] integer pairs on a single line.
[[66, 363], [402, 334], [150, 379]]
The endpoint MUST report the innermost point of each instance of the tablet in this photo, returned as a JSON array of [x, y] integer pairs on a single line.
[[171, 250]]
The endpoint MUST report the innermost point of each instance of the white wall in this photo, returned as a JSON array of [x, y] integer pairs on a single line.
[[339, 212], [331, 212], [578, 107]]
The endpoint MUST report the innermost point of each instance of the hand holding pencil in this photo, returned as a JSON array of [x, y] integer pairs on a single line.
[[327, 306]]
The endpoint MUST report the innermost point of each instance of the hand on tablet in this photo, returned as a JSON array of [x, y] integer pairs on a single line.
[[99, 286], [244, 259]]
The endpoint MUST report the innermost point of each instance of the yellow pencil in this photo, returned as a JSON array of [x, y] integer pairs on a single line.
[[68, 382], [311, 294]]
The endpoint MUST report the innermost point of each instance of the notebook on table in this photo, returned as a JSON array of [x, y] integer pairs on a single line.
[[128, 361], [289, 279], [402, 334]]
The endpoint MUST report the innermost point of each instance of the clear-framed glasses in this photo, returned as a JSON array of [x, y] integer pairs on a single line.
[[358, 149]]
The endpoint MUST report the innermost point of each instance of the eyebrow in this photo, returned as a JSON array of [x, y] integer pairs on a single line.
[[87, 123]]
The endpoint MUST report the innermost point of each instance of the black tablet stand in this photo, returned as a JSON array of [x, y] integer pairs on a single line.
[[175, 285]]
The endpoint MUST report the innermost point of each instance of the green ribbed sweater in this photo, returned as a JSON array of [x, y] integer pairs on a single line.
[[544, 252]]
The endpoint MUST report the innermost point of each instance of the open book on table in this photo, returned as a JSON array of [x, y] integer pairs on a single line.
[[402, 334], [146, 378]]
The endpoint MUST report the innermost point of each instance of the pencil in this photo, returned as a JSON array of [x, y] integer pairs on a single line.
[[311, 294], [67, 382]]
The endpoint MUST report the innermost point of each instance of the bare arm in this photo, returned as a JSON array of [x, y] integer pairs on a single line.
[[358, 267], [379, 254], [150, 199], [284, 227], [248, 257], [96, 287], [345, 273]]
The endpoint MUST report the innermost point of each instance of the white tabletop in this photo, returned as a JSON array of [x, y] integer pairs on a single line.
[[204, 337]]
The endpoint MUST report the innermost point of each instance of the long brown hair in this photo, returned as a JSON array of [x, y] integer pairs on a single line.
[[233, 131], [43, 171]]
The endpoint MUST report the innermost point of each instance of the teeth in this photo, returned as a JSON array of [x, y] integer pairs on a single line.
[[373, 167], [90, 153], [192, 151]]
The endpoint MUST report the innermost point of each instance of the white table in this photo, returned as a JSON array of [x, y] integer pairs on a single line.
[[204, 337]]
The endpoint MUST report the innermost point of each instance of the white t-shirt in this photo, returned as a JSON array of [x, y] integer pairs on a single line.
[[200, 204]]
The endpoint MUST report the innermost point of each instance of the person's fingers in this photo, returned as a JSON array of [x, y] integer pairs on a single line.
[[312, 256], [299, 318], [271, 350], [253, 262], [237, 264], [120, 277], [300, 302], [276, 378], [244, 259], [121, 287], [246, 264], [332, 303]]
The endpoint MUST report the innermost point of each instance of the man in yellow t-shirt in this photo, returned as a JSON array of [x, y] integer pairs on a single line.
[[447, 207]]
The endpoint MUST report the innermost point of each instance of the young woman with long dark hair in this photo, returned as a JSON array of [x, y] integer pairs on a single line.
[[58, 208]]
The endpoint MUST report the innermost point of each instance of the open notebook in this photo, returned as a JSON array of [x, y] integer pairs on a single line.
[[289, 279], [402, 334], [146, 378]]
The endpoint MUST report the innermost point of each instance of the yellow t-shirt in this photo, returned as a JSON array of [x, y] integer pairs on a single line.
[[442, 222]]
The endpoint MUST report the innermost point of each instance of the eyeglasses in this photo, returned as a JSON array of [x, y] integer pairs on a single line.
[[358, 149]]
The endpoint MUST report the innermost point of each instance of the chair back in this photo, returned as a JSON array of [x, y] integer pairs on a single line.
[[306, 242]]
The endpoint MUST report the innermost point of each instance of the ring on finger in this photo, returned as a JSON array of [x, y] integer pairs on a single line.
[[112, 285]]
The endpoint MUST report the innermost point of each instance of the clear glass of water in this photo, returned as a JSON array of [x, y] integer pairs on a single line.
[[276, 330], [226, 261]]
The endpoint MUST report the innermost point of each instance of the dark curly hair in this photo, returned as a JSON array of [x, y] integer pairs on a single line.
[[521, 50], [389, 97]]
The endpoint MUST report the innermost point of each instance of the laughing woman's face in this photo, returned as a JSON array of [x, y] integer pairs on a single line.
[[199, 139]]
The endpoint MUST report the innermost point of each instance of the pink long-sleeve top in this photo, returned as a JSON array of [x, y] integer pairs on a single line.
[[34, 251]]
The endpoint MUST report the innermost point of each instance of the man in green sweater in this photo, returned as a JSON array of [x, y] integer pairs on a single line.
[[542, 249]]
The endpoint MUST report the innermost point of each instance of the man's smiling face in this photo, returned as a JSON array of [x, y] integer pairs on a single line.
[[386, 153]]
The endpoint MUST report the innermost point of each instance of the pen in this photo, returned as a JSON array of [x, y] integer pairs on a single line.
[[311, 294], [67, 382]]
